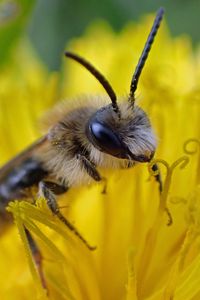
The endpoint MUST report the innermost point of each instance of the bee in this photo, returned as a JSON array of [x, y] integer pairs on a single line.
[[83, 135]]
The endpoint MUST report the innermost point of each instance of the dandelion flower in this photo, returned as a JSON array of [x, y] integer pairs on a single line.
[[138, 255]]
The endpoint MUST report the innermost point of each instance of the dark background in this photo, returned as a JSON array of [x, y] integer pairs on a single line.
[[49, 24]]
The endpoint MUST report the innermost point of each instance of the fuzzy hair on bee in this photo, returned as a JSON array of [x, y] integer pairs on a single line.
[[91, 131], [83, 136]]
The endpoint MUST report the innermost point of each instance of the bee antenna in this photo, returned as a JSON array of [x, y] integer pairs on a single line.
[[144, 54], [99, 77]]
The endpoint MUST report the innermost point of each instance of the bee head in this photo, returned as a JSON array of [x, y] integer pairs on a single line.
[[122, 131], [129, 137]]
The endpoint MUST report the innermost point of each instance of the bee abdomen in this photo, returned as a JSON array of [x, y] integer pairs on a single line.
[[26, 175]]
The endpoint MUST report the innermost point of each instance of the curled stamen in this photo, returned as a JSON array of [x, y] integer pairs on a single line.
[[151, 237], [191, 141], [181, 162], [157, 161], [156, 173]]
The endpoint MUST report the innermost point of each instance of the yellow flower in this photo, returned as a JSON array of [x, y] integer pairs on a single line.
[[138, 255]]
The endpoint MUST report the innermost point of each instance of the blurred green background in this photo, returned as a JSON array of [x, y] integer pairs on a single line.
[[49, 24]]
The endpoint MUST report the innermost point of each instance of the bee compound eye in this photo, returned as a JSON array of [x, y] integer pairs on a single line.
[[105, 139]]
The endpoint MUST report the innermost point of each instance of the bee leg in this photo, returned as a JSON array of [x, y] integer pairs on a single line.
[[55, 188], [89, 167], [91, 170], [158, 178], [37, 257], [49, 195]]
